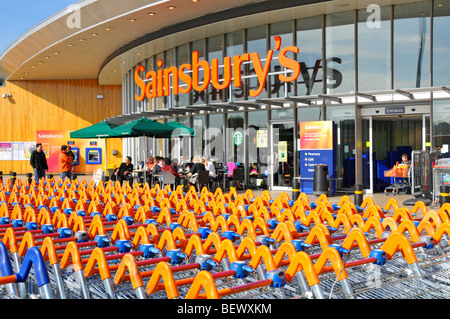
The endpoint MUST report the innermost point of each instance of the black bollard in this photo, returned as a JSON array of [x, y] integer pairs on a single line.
[[1, 176], [295, 188], [29, 178], [321, 183], [358, 194], [444, 198], [13, 177], [233, 185]]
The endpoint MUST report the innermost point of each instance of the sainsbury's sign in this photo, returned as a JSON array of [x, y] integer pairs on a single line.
[[200, 74]]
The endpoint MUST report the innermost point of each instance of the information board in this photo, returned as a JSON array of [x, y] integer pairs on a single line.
[[316, 147]]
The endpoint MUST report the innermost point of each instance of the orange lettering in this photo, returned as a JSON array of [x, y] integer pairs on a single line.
[[196, 65], [289, 63], [237, 61], [140, 83], [226, 75]]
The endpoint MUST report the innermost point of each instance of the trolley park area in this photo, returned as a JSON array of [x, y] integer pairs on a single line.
[[77, 240]]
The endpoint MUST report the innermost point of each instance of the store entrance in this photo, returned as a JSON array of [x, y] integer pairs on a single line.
[[385, 139]]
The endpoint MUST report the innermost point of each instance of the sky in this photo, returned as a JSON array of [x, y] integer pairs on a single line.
[[19, 16]]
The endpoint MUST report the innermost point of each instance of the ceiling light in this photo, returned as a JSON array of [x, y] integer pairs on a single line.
[[27, 73], [82, 39], [33, 67], [71, 45], [22, 78], [56, 52], [151, 13], [94, 34], [171, 7], [108, 29], [40, 62], [132, 20], [47, 57]]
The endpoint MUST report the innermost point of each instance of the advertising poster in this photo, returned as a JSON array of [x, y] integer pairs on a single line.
[[316, 147], [52, 142], [5, 151]]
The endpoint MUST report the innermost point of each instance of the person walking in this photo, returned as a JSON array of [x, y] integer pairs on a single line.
[[65, 163], [39, 162]]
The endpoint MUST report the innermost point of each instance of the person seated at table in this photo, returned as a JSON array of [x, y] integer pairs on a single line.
[[150, 164], [174, 164], [195, 168], [209, 166], [183, 161], [231, 166], [124, 172], [167, 167], [159, 164], [254, 171]]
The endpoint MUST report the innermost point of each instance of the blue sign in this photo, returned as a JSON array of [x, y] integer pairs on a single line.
[[316, 147]]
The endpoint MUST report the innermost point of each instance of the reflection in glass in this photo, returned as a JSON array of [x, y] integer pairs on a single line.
[[441, 42], [344, 128], [257, 145], [215, 47], [412, 45], [234, 135], [199, 141], [199, 97], [214, 137], [441, 124], [374, 53], [256, 42], [309, 41], [340, 56], [284, 31], [183, 57], [235, 46]]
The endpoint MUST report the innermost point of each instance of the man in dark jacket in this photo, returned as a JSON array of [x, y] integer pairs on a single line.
[[124, 172], [39, 163]]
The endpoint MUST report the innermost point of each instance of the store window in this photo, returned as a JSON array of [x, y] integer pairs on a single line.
[[215, 138], [441, 43], [374, 50], [412, 45], [284, 31], [340, 52], [235, 138], [215, 52], [343, 118], [309, 41], [198, 140], [199, 97], [256, 42], [235, 47], [258, 143], [183, 54], [441, 124]]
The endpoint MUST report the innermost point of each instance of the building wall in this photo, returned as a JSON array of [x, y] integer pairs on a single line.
[[55, 105]]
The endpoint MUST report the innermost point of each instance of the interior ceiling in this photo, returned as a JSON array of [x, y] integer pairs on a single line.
[[100, 48]]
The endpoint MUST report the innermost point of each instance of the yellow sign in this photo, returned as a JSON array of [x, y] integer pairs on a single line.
[[282, 151], [261, 138]]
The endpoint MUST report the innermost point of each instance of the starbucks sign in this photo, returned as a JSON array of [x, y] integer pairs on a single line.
[[238, 138]]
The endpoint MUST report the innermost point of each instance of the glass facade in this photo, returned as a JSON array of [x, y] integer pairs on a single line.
[[375, 49]]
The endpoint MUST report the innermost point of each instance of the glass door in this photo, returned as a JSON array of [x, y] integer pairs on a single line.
[[282, 151]]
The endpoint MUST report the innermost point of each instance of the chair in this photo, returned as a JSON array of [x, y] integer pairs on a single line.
[[238, 175], [203, 180], [167, 179]]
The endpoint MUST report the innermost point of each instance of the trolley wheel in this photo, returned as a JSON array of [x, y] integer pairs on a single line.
[[386, 193], [395, 191]]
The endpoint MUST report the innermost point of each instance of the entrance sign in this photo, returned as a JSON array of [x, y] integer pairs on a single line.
[[316, 147]]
